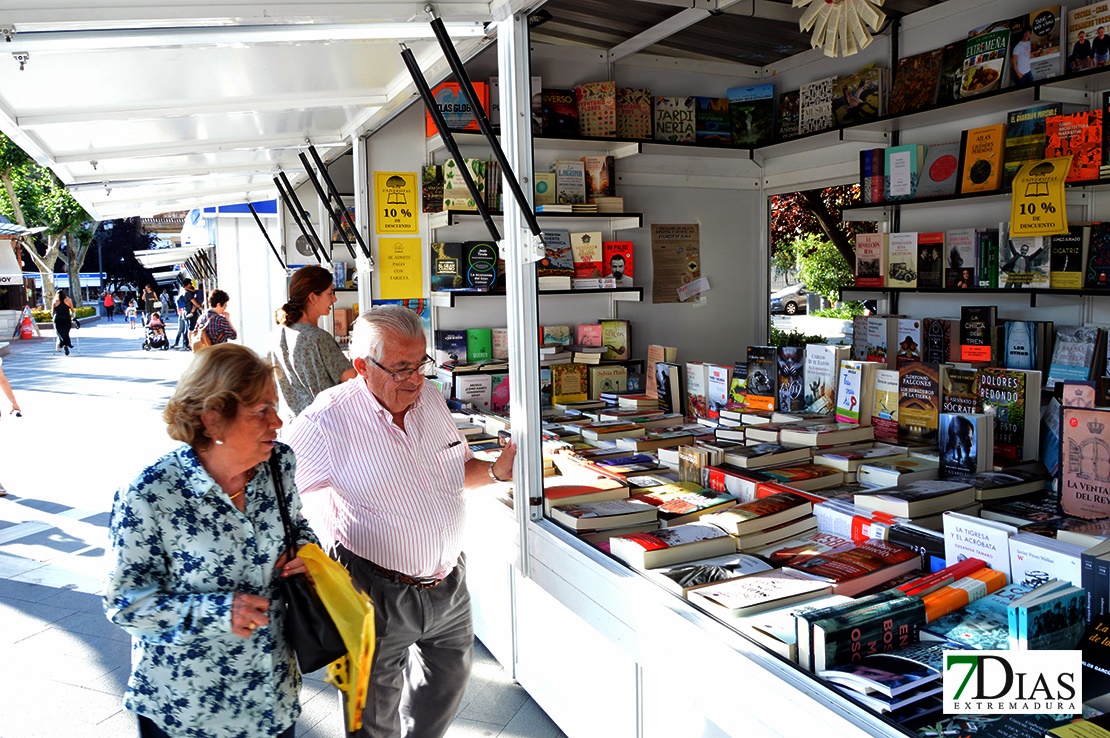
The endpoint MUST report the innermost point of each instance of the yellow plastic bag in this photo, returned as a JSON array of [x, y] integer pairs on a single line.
[[353, 613]]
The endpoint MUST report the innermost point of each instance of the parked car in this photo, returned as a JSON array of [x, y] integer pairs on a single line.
[[789, 300]]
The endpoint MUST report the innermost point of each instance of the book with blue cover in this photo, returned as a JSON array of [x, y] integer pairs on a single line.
[[982, 624]]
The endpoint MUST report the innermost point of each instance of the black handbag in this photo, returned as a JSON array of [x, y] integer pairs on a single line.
[[308, 626]]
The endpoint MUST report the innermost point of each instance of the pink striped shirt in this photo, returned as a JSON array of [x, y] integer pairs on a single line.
[[396, 495]]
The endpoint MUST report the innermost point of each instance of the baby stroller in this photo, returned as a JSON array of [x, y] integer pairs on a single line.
[[154, 333]]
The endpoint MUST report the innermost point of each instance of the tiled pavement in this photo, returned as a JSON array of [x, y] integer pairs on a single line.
[[90, 421]]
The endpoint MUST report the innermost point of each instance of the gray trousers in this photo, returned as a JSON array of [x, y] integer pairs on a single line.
[[425, 647]]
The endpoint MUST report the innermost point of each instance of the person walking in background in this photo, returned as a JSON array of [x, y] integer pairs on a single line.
[[190, 314], [196, 549], [384, 449], [110, 306], [6, 388], [306, 358], [62, 310], [132, 313], [164, 306], [180, 302], [216, 323], [147, 300]]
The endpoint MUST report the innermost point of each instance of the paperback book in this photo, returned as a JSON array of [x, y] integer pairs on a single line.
[[674, 119], [751, 110]]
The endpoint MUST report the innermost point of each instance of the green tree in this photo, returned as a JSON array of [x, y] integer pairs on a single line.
[[118, 240], [822, 267], [35, 197]]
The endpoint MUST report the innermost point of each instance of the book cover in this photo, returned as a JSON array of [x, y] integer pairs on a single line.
[[617, 261], [986, 59], [456, 195], [916, 498], [674, 119], [951, 72], [569, 383], [1035, 559], [986, 257], [858, 96], [941, 171], [681, 579], [919, 402], [450, 347], [634, 112], [603, 515], [870, 259], [762, 377], [758, 592], [545, 188], [902, 259], [939, 340], [1073, 354], [667, 546], [884, 409], [902, 170], [1020, 349], [879, 628], [1067, 258], [586, 250], [711, 121], [1025, 137], [465, 267], [669, 386], [1098, 257], [959, 390], [655, 354], [555, 335], [597, 108], [588, 334], [909, 341], [791, 375], [1026, 263], [750, 113], [1035, 46], [615, 335], [1080, 136], [738, 387], [696, 389], [964, 442], [500, 343], [966, 536], [1050, 621], [716, 389], [558, 260], [558, 113], [916, 82], [815, 106], [477, 389], [607, 379], [976, 326], [959, 259], [479, 345], [570, 181], [431, 189], [930, 260], [821, 371], [982, 624], [1014, 398], [1085, 467], [981, 156], [855, 388], [600, 179], [788, 116], [457, 110]]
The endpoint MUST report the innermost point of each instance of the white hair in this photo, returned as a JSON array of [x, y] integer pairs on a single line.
[[372, 326]]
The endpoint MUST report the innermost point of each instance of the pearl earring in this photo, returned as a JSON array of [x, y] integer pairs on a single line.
[[219, 442]]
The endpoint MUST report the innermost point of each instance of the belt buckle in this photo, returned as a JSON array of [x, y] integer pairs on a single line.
[[425, 582]]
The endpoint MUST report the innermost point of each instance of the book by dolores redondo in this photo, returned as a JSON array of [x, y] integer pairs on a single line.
[[1013, 396]]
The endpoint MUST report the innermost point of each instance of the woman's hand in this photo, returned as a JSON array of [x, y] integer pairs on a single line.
[[292, 567], [247, 613]]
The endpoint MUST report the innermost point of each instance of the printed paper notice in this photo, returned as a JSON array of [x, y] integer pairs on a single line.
[[675, 259], [395, 202], [400, 269], [1037, 206]]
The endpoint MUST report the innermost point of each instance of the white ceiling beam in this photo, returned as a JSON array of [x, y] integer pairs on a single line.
[[43, 15], [283, 103], [223, 195], [197, 147], [133, 175], [75, 42], [677, 22], [766, 9]]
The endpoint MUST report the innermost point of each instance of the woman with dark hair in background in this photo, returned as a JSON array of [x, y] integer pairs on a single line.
[[197, 547], [62, 311], [216, 323], [306, 358]]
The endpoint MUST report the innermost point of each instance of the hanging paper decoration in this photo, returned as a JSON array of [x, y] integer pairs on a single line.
[[839, 24]]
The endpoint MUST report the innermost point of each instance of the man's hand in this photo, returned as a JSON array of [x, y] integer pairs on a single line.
[[503, 467]]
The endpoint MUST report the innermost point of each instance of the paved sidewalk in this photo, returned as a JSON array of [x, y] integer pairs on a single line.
[[90, 422]]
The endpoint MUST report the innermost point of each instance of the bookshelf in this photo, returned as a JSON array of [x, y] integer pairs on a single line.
[[613, 221], [618, 294]]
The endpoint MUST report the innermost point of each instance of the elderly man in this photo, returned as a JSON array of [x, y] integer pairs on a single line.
[[385, 449]]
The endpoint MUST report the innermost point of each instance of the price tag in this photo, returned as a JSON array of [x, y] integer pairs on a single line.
[[1037, 206], [395, 202]]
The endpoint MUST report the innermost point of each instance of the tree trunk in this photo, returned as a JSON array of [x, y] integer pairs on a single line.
[[45, 263], [830, 226], [77, 253]]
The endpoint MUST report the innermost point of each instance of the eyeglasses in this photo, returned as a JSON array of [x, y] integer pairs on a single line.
[[404, 375]]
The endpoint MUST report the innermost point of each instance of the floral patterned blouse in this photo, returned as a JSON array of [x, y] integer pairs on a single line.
[[181, 550]]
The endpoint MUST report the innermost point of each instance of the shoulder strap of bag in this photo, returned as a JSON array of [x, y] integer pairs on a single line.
[[283, 508]]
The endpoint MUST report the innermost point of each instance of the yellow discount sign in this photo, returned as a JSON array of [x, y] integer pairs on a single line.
[[1037, 206], [396, 202]]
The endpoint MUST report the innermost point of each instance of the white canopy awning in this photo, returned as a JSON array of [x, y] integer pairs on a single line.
[[158, 105], [10, 270], [156, 258]]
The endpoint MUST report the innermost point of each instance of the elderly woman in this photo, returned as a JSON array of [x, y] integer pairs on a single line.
[[197, 545], [306, 358]]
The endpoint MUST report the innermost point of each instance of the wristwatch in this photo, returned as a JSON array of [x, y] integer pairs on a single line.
[[493, 475]]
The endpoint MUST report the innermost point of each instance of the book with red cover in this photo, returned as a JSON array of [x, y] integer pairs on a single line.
[[1080, 135], [457, 111], [617, 262], [859, 567]]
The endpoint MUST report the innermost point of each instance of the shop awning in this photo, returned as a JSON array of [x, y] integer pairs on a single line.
[[160, 258], [10, 270]]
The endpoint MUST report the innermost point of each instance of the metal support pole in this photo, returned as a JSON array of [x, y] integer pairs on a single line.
[[448, 139], [266, 235], [326, 176], [294, 207], [336, 220]]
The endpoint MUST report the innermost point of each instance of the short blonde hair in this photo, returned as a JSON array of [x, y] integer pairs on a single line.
[[221, 378]]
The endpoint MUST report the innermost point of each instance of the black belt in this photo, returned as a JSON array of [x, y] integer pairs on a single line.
[[396, 576]]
